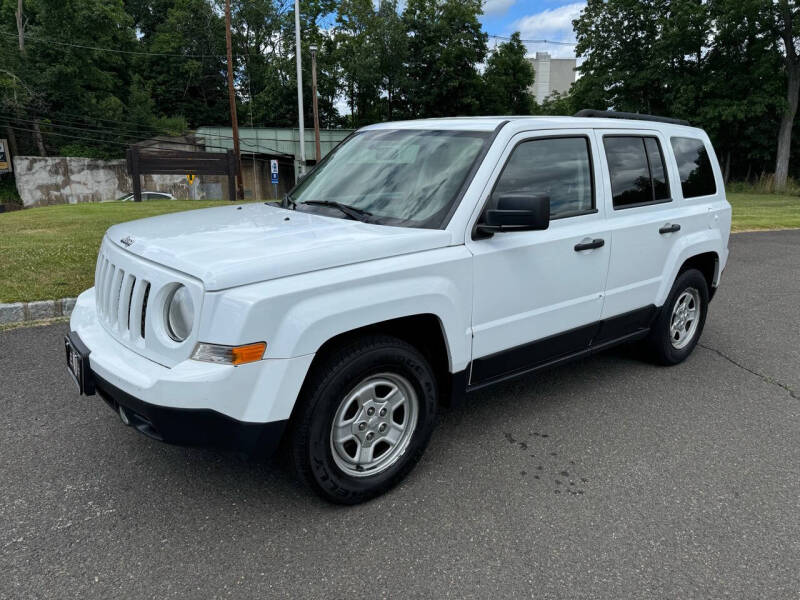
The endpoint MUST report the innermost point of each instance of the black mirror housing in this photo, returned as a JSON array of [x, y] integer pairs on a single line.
[[517, 212]]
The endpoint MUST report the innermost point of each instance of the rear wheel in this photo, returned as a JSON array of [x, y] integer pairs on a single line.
[[680, 322], [365, 418]]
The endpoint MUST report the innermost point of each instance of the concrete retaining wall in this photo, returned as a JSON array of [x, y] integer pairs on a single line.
[[62, 180]]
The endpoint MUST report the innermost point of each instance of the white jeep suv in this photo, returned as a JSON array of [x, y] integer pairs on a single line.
[[418, 262]]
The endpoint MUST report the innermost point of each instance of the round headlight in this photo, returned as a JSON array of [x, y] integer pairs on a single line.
[[180, 314]]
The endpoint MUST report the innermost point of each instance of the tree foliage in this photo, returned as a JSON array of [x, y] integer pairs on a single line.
[[508, 79], [720, 64], [97, 75]]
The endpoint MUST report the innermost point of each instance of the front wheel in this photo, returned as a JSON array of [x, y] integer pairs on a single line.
[[365, 418], [680, 322]]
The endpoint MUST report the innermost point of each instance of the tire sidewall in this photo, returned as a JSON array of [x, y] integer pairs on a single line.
[[669, 353], [324, 473]]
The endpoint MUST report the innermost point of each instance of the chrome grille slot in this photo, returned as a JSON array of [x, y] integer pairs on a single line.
[[144, 306], [124, 306], [113, 300], [110, 271]]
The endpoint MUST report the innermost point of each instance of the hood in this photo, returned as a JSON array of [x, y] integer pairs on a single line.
[[228, 246]]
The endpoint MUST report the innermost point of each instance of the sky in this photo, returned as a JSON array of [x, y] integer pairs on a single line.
[[535, 20]]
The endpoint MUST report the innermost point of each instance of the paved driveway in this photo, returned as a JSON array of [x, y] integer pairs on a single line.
[[608, 478]]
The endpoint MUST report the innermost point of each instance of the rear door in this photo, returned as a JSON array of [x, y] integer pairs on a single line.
[[645, 219], [538, 294]]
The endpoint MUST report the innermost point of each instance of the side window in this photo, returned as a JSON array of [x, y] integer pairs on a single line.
[[637, 169], [560, 168], [694, 165], [658, 169]]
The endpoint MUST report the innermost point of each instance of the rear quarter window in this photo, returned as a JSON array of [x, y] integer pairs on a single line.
[[694, 166]]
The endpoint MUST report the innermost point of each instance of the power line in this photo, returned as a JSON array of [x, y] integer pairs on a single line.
[[113, 50], [47, 122], [65, 135], [249, 147], [508, 38]]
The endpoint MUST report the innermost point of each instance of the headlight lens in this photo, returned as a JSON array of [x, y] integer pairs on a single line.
[[180, 314]]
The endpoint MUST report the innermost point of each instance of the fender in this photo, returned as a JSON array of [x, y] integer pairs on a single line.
[[297, 315], [700, 242]]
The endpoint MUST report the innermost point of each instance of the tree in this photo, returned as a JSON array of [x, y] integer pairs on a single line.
[[392, 47], [787, 26], [445, 45], [716, 63], [359, 59], [186, 68], [507, 80]]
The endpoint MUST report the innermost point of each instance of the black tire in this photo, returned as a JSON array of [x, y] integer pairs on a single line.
[[660, 341], [332, 381]]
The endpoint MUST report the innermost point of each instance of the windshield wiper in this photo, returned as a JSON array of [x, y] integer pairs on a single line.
[[359, 214]]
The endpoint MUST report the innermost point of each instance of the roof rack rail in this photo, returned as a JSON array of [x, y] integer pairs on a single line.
[[613, 114]]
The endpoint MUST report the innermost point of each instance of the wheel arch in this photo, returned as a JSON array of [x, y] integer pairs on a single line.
[[708, 264], [424, 331], [700, 250]]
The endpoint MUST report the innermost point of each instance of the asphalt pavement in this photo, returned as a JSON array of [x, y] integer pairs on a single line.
[[606, 478]]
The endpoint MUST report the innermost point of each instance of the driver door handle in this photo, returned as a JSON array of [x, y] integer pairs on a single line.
[[590, 245], [669, 228]]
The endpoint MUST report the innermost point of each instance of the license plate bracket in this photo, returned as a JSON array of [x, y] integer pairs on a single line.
[[77, 356]]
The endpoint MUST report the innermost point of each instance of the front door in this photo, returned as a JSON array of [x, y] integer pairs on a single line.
[[538, 295]]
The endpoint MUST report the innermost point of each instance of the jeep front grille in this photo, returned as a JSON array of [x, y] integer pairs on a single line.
[[121, 298]]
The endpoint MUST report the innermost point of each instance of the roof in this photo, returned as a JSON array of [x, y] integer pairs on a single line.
[[523, 122]]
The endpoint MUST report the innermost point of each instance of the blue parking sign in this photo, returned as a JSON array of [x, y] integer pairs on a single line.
[[273, 167]]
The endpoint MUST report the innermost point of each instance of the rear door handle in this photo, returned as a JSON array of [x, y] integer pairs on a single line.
[[590, 245], [669, 228]]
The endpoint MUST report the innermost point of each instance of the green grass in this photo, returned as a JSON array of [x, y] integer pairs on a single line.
[[752, 212], [50, 252]]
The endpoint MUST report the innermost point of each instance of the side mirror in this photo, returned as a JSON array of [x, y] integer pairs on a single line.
[[517, 212]]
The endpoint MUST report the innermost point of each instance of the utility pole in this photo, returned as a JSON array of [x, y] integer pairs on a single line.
[[232, 98], [316, 108], [300, 87]]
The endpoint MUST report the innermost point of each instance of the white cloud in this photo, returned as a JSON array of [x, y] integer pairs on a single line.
[[497, 7], [554, 24]]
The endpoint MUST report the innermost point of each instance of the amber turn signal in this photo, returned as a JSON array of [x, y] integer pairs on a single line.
[[248, 353]]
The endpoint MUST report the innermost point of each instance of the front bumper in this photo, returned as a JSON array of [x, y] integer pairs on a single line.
[[191, 402], [192, 427]]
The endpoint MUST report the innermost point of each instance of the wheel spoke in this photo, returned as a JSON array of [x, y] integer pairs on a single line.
[[343, 432], [394, 399], [364, 454], [394, 433]]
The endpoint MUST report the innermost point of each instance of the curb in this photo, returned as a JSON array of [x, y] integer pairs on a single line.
[[20, 312]]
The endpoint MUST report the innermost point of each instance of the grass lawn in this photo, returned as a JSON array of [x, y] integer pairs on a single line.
[[50, 252], [764, 211]]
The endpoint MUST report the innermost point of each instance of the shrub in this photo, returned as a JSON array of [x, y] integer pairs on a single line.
[[765, 184]]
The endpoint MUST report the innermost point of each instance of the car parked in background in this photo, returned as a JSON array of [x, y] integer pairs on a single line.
[[148, 196], [418, 262]]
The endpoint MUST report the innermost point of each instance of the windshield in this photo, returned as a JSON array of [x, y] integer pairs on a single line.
[[399, 177]]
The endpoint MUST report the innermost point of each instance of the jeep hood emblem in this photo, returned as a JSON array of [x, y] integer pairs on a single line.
[[127, 241]]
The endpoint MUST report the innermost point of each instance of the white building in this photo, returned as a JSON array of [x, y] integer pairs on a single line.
[[552, 75]]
